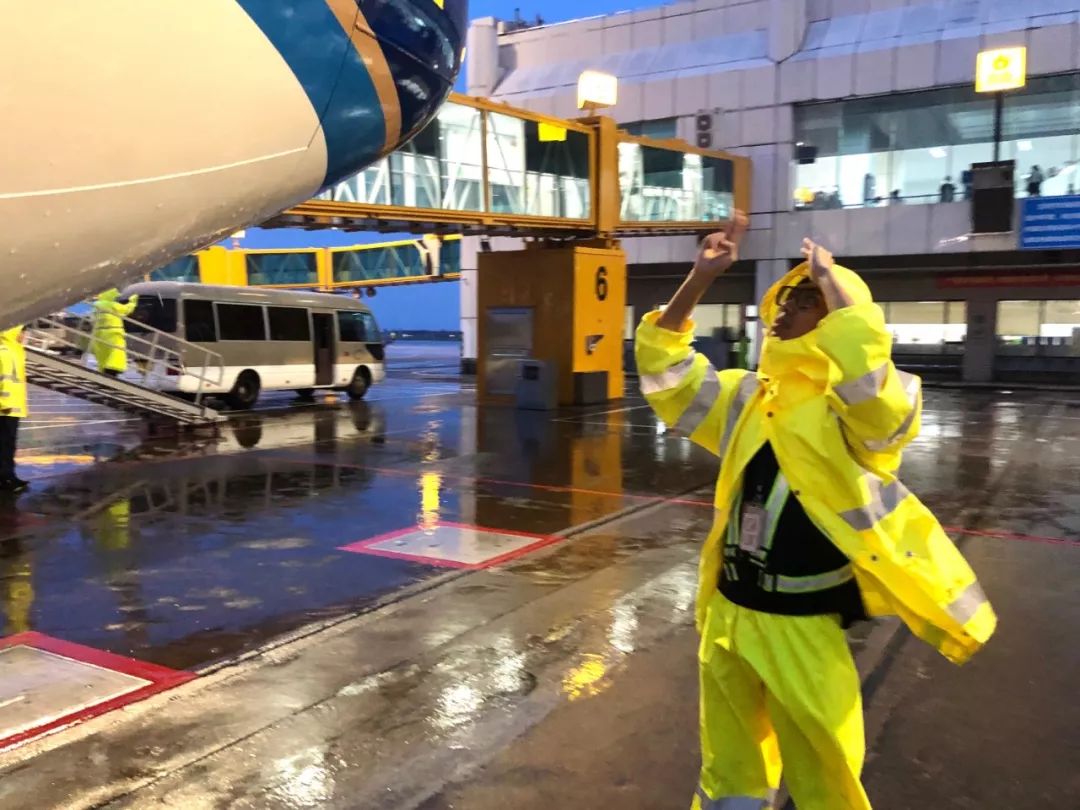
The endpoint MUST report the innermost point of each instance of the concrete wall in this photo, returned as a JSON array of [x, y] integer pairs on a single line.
[[777, 53], [748, 63]]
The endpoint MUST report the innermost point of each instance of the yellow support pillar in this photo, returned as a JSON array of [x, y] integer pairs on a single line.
[[607, 196], [324, 268], [217, 265], [562, 305]]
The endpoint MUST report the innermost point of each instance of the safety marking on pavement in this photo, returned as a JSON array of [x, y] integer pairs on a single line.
[[87, 423], [1003, 535], [588, 414], [453, 545], [12, 520], [47, 684], [288, 456]]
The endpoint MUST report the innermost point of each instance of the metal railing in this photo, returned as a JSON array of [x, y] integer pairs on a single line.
[[151, 353]]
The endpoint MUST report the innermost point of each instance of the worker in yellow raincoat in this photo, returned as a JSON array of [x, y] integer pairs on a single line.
[[12, 404], [813, 530], [109, 343]]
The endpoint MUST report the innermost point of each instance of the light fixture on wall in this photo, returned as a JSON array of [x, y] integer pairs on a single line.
[[937, 152], [596, 89], [1023, 146]]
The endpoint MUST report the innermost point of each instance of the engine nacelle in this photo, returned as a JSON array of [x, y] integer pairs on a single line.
[[135, 132]]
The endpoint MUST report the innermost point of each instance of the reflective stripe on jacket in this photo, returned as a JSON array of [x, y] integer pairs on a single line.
[[12, 374], [838, 414]]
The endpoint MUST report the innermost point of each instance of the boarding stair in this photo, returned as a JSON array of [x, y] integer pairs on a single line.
[[55, 347]]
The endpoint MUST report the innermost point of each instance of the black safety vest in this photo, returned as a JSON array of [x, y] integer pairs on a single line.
[[775, 559]]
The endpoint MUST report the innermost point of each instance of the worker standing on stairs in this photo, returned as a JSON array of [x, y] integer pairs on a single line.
[[12, 404], [109, 343]]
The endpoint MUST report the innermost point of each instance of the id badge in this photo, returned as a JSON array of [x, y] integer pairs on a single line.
[[752, 528]]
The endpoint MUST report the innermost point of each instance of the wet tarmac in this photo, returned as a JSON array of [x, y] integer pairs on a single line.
[[448, 687], [191, 551]]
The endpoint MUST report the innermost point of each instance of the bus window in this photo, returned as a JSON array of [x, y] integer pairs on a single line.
[[199, 322], [289, 323], [155, 312], [241, 322]]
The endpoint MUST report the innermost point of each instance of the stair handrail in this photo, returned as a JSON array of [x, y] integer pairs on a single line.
[[147, 355]]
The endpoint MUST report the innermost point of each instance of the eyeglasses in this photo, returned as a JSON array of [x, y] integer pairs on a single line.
[[802, 297]]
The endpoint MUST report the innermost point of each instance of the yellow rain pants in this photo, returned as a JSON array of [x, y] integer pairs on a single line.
[[778, 691]]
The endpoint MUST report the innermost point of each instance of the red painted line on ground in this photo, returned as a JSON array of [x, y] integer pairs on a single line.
[[1028, 538], [1001, 535], [364, 546], [500, 482], [161, 678]]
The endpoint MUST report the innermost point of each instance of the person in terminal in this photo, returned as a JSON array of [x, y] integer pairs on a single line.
[[869, 189], [813, 531], [948, 190], [13, 406], [109, 342], [1035, 181]]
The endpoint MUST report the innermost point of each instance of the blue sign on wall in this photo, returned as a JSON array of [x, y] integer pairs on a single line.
[[1050, 223]]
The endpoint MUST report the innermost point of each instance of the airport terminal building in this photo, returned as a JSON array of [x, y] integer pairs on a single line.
[[862, 122]]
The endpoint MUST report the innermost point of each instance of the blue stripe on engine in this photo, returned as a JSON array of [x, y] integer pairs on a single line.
[[318, 51], [422, 50]]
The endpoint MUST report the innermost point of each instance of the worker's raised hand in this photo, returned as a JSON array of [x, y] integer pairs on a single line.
[[720, 250], [820, 259], [821, 272]]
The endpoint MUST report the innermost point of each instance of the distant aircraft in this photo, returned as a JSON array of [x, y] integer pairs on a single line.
[[133, 132]]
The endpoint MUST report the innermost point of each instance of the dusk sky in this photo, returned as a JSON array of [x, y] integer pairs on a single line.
[[436, 306]]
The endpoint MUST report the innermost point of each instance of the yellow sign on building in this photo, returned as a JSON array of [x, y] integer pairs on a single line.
[[1000, 69]]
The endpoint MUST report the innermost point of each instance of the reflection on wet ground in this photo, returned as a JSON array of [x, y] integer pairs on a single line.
[[187, 551], [191, 552]]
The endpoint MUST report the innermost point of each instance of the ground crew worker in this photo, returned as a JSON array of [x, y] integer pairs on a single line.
[[109, 340], [12, 405], [812, 529]]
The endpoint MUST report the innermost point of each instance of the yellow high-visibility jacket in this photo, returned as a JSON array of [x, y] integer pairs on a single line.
[[109, 339], [12, 374], [838, 414]]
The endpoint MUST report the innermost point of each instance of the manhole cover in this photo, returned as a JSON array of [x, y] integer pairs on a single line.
[[452, 544], [38, 687], [46, 684]]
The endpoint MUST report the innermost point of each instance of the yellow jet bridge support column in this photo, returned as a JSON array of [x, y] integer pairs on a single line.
[[563, 305]]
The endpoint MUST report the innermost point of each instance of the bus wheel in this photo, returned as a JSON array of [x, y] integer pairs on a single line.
[[361, 381], [305, 394], [245, 392]]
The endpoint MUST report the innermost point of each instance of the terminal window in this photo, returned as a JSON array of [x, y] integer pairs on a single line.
[[658, 128], [917, 145], [918, 325], [1038, 324]]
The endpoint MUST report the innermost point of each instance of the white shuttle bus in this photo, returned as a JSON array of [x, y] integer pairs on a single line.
[[268, 340]]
